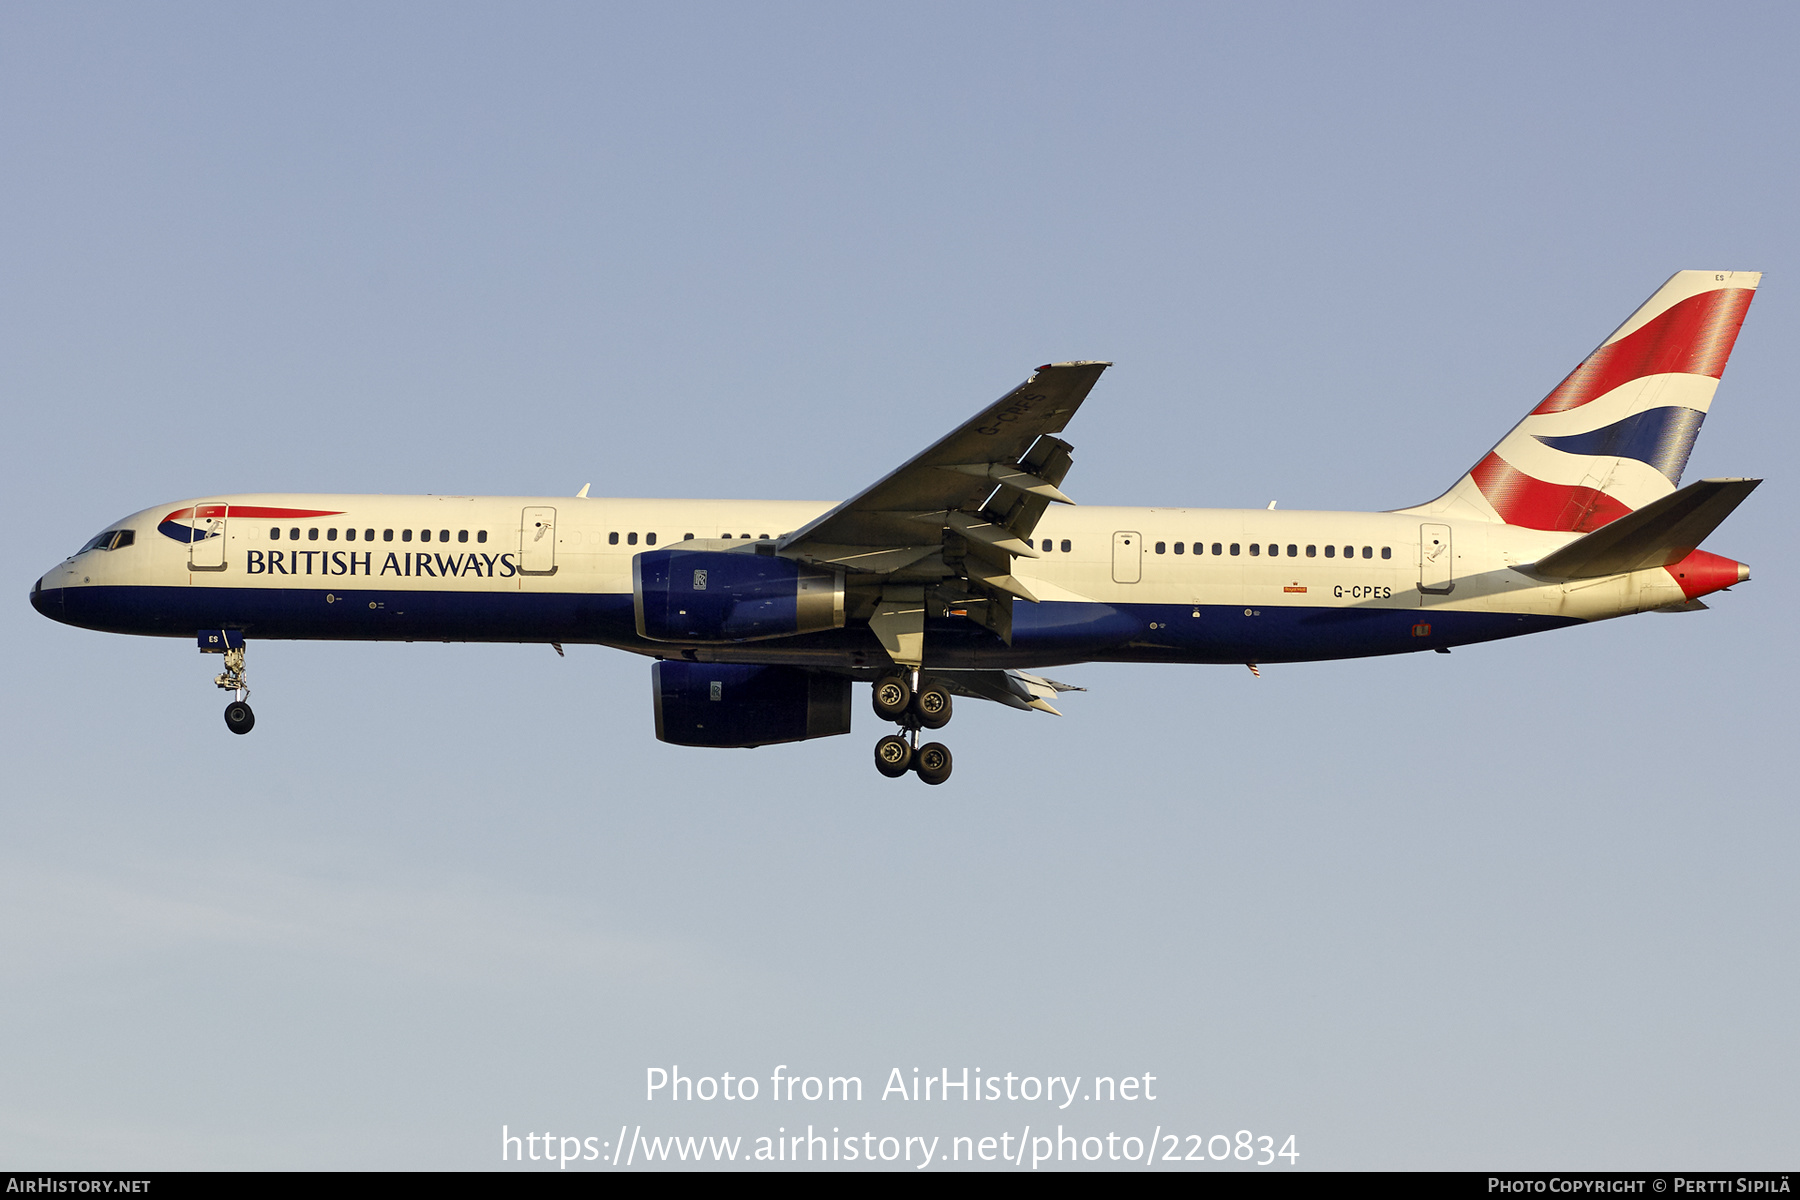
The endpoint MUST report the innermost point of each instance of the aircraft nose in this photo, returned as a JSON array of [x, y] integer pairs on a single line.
[[44, 602]]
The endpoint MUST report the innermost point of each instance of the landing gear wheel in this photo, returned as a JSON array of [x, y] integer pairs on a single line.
[[892, 696], [932, 761], [893, 757], [932, 704], [239, 718]]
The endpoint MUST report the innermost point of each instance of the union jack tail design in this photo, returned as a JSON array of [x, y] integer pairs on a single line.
[[1615, 435]]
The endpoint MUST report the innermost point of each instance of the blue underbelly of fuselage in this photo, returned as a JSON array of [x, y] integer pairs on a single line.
[[1045, 634]]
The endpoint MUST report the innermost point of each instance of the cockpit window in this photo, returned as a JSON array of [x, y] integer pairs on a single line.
[[112, 539]]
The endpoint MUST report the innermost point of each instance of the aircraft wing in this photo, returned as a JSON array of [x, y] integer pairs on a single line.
[[969, 503]]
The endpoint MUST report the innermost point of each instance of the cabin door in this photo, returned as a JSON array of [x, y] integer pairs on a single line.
[[206, 547], [537, 542], [1435, 560]]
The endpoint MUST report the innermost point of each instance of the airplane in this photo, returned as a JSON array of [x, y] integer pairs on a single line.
[[967, 569]]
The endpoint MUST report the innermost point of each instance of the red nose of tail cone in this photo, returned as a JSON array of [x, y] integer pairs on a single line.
[[1701, 573]]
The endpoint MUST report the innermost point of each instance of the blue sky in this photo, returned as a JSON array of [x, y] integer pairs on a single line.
[[1528, 905]]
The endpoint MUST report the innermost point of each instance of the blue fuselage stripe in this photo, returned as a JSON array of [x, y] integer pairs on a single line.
[[1044, 634]]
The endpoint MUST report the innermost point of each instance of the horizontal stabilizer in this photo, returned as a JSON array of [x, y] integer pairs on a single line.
[[1662, 532], [1015, 689]]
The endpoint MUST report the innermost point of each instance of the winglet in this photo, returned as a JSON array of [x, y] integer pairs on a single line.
[[582, 494]]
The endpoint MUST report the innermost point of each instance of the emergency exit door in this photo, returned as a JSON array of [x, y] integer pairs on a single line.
[[537, 541], [1128, 557]]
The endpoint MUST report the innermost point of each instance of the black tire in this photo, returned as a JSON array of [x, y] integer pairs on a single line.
[[893, 757], [933, 762], [239, 718], [932, 705], [892, 695]]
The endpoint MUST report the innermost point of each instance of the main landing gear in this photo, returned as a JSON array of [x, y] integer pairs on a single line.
[[900, 699], [238, 717]]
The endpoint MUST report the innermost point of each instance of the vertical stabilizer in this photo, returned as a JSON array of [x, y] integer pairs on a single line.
[[1615, 435]]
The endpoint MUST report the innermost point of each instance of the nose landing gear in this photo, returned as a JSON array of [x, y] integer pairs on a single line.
[[230, 643], [912, 706], [239, 718]]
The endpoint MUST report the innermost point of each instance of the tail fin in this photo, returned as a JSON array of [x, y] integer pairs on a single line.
[[1615, 435]]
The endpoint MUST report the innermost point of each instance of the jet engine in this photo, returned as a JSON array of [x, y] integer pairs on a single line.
[[721, 596], [734, 704]]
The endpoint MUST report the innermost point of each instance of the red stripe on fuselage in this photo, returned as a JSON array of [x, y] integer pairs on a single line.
[[1523, 500], [250, 510], [1693, 337]]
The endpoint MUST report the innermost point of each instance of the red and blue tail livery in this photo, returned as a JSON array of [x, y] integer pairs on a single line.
[[1616, 433], [967, 570]]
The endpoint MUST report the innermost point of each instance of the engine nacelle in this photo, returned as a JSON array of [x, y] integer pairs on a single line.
[[735, 704], [718, 596]]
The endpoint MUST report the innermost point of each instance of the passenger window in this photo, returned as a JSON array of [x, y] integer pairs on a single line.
[[462, 535], [1217, 547], [1065, 545], [331, 534], [744, 536], [1047, 546], [443, 535], [387, 535], [1331, 552], [1234, 548], [1387, 552], [1312, 552], [293, 535], [275, 534], [725, 537], [312, 535], [1293, 551], [687, 537], [349, 535], [1349, 551], [481, 536], [368, 535], [612, 539], [1178, 549], [1255, 549], [649, 539], [1162, 547], [406, 535], [1368, 552], [631, 539], [763, 536]]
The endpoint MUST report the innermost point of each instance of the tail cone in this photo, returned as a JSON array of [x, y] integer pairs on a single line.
[[1700, 573]]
